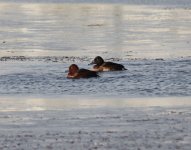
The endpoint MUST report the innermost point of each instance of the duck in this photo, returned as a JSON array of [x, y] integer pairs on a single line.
[[76, 73], [101, 65]]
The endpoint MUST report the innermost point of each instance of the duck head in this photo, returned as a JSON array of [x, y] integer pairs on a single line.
[[73, 69], [98, 61]]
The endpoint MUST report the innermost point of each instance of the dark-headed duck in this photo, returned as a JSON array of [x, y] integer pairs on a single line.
[[76, 73], [100, 65]]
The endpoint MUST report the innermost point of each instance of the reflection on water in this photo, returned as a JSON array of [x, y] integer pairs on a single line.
[[129, 33], [70, 102], [89, 29]]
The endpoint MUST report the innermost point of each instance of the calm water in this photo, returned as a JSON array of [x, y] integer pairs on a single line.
[[153, 42]]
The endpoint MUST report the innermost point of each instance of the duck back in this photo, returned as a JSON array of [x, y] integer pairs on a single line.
[[84, 73], [110, 66]]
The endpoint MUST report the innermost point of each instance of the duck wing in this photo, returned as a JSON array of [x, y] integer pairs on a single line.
[[85, 73], [113, 66]]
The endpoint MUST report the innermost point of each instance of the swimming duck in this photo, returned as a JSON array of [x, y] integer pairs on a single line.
[[106, 66], [76, 73]]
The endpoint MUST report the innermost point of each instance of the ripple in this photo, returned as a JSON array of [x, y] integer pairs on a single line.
[[143, 78]]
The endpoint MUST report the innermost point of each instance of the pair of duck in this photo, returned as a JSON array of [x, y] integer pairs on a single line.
[[100, 65]]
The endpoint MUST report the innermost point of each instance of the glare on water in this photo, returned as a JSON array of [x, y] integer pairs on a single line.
[[39, 42]]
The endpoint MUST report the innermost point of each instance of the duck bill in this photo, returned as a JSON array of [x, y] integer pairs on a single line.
[[92, 63]]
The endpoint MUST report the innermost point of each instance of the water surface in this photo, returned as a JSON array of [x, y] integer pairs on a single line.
[[109, 30], [39, 41]]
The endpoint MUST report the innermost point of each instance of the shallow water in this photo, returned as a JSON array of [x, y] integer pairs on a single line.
[[110, 30], [143, 78], [40, 41], [36, 103]]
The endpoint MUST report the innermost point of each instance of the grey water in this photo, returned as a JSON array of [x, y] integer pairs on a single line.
[[143, 78], [38, 41]]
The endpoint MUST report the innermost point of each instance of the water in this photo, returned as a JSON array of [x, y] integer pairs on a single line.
[[39, 41], [143, 78], [137, 2], [91, 29]]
